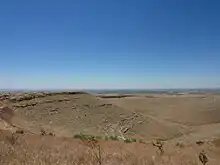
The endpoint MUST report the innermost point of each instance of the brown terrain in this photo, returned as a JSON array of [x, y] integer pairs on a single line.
[[79, 128]]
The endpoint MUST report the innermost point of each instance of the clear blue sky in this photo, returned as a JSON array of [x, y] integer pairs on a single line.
[[109, 43]]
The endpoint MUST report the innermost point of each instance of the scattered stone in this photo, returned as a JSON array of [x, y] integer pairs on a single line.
[[13, 99], [61, 100], [140, 122], [105, 121], [180, 144], [43, 132], [19, 131], [104, 105], [54, 110], [200, 142], [124, 130], [87, 105], [4, 96], [48, 101], [51, 134], [25, 105]]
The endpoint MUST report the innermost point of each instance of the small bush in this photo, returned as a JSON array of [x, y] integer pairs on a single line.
[[203, 157], [159, 144], [113, 137], [87, 137], [78, 136], [130, 140], [127, 141], [82, 137]]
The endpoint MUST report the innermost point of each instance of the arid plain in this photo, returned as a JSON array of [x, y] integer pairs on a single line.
[[81, 128]]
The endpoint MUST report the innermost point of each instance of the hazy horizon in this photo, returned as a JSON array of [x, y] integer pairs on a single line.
[[110, 89]]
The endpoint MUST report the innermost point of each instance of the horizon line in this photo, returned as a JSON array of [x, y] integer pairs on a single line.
[[35, 89]]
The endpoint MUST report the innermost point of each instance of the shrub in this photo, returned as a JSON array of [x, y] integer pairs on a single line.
[[113, 137], [130, 140], [87, 137], [78, 136]]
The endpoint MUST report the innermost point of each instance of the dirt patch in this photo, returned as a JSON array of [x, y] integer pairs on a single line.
[[217, 142], [6, 114]]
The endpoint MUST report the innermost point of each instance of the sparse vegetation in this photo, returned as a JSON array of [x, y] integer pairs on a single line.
[[130, 140], [95, 138], [97, 154], [159, 144], [84, 155], [203, 158], [113, 138], [78, 136], [25, 146], [87, 137]]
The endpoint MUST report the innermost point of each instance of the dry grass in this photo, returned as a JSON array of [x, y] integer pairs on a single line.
[[217, 142], [51, 150], [45, 156], [58, 151], [140, 117]]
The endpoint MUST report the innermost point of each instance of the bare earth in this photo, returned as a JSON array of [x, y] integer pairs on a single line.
[[186, 124]]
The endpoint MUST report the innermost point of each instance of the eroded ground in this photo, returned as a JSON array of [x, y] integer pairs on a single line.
[[180, 121]]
